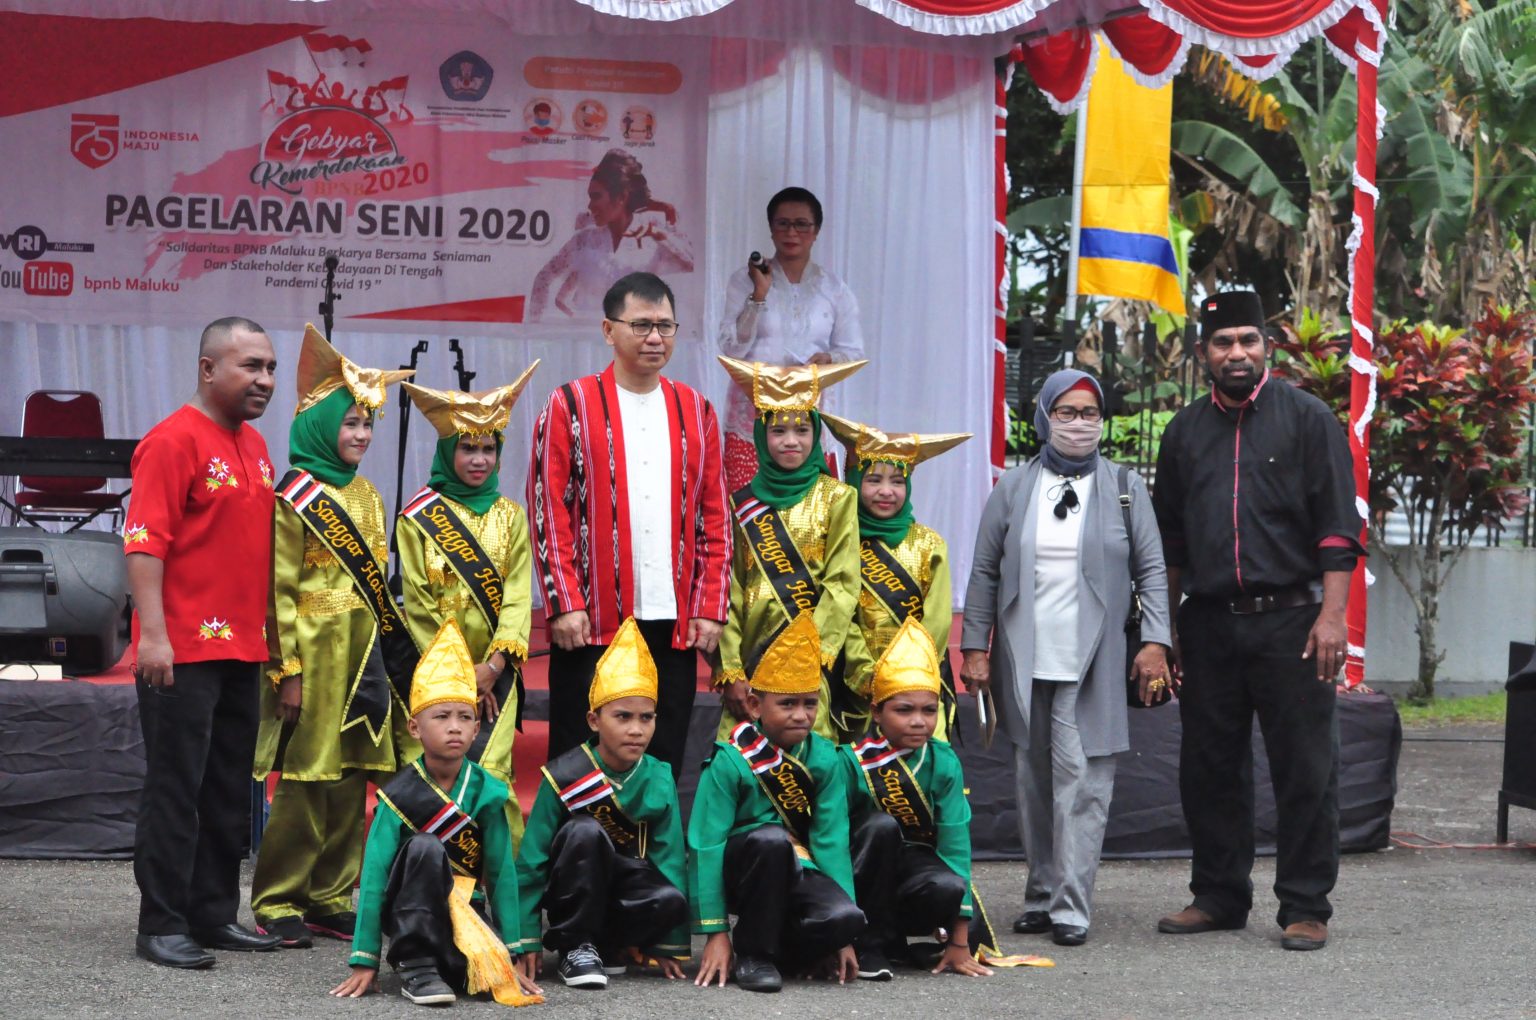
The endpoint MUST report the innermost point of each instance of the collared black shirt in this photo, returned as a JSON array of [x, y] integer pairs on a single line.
[[1256, 498]]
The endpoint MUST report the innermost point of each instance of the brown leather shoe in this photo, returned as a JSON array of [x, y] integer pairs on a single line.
[[1303, 935], [1192, 921]]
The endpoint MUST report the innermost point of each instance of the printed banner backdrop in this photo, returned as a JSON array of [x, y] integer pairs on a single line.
[[450, 174], [894, 132]]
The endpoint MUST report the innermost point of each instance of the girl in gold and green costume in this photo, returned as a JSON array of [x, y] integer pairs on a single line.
[[903, 565], [796, 534], [464, 556], [326, 717]]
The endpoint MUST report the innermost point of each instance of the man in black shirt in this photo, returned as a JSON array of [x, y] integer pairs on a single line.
[[1256, 504]]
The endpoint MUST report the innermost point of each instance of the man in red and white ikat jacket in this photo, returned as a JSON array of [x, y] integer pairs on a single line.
[[626, 496]]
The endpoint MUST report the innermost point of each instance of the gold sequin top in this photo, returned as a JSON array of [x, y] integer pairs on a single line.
[[434, 592], [825, 529], [321, 629], [925, 555]]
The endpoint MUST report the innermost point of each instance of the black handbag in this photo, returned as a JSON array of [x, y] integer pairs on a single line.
[[1133, 618]]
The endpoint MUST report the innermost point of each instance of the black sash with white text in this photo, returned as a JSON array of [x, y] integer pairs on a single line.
[[423, 806], [583, 787], [785, 780], [776, 553], [327, 519], [896, 792]]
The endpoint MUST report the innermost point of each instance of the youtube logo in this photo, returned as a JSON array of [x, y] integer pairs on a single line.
[[48, 279]]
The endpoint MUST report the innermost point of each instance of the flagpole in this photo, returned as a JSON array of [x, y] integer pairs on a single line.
[[1079, 147]]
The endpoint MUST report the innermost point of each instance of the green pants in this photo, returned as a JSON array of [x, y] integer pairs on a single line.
[[312, 849]]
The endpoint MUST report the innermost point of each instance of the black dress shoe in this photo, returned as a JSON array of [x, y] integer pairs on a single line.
[[1069, 934], [173, 951], [1032, 922], [235, 938], [756, 974]]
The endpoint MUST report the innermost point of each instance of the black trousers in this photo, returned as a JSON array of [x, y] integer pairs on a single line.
[[596, 894], [903, 888], [790, 914], [195, 812], [416, 915], [1236, 666], [570, 681]]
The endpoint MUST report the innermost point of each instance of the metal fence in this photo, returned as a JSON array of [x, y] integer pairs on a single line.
[[1137, 387]]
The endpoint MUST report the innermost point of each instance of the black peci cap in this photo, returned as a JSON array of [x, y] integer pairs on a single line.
[[1230, 308]]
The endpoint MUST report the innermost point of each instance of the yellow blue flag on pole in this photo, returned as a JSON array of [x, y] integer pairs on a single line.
[[1123, 247]]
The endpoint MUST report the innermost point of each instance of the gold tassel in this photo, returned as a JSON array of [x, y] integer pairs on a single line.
[[489, 964]]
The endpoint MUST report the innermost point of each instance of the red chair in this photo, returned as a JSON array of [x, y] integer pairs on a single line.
[[69, 414]]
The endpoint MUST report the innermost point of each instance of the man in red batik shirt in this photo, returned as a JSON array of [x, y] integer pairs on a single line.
[[199, 544]]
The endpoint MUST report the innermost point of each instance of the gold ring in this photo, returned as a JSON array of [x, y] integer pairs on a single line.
[[1157, 685]]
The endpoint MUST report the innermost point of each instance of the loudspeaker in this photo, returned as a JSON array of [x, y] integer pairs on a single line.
[[63, 598]]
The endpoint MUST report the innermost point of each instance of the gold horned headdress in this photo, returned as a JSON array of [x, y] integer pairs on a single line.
[[445, 672], [787, 394], [910, 663], [867, 445], [323, 370], [455, 412], [626, 669], [792, 663]]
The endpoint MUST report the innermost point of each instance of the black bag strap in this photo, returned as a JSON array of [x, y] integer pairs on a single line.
[[1123, 482]]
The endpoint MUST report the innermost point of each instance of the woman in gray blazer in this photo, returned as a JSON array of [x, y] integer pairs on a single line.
[[1045, 615]]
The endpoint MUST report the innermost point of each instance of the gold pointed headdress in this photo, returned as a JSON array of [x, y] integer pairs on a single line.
[[867, 444], [910, 663], [786, 394], [445, 672], [626, 669], [792, 663], [455, 412], [323, 370]]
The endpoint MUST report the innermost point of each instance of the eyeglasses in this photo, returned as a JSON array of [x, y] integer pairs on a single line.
[[641, 328], [801, 226], [1067, 502], [1071, 414]]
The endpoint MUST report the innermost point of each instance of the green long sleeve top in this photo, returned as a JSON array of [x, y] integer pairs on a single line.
[[942, 782], [648, 796], [483, 797], [730, 801]]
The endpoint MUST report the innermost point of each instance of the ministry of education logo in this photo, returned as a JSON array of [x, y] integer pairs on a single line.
[[465, 77]]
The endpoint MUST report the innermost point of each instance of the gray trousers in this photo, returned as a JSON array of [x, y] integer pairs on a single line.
[[1063, 806]]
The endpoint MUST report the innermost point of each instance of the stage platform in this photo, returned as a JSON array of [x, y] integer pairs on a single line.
[[72, 763]]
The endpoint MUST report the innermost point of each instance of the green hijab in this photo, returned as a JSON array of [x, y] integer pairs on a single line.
[[313, 439], [776, 486], [479, 498], [890, 530]]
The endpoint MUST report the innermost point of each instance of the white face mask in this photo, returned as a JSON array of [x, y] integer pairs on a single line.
[[1076, 439]]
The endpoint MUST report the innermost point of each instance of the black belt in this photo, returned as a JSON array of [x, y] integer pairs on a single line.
[[1270, 601]]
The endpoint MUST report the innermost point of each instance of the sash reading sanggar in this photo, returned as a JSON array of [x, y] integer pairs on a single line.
[[877, 573], [769, 549], [792, 796], [451, 539]]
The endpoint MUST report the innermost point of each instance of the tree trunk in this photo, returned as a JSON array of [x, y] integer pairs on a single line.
[[1428, 606]]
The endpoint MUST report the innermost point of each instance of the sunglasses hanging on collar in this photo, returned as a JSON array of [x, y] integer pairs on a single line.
[[1066, 499]]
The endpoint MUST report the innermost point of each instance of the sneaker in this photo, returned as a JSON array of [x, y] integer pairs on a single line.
[[873, 965], [333, 926], [290, 929], [421, 983], [583, 968], [756, 974]]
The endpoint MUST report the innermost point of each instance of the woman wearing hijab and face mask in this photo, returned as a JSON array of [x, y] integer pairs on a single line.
[[1045, 613]]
